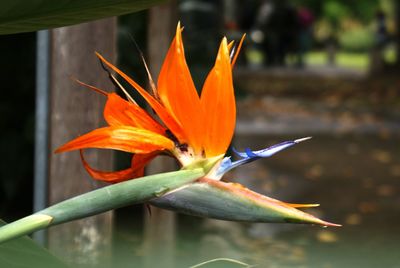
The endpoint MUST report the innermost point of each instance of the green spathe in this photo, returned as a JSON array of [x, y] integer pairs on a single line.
[[232, 202]]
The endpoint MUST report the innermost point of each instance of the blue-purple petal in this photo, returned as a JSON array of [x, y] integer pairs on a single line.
[[250, 156]]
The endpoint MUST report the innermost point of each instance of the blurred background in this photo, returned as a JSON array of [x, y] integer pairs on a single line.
[[327, 69]]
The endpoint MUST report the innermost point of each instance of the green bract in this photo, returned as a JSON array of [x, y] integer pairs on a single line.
[[232, 202]]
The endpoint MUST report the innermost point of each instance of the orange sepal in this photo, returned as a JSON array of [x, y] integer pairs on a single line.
[[294, 205], [218, 103], [178, 93], [237, 50], [139, 161], [123, 138], [162, 112], [119, 112], [95, 89]]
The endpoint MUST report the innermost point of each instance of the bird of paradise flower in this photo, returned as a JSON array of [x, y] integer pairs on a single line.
[[189, 128]]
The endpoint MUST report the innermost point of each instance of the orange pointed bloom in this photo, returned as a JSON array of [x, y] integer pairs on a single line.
[[190, 127]]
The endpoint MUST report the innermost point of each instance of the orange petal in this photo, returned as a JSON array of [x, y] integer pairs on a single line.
[[302, 205], [139, 161], [95, 89], [237, 50], [162, 112], [124, 138], [218, 102], [119, 112], [178, 93]]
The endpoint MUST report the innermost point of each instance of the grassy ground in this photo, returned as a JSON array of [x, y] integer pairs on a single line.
[[352, 60], [358, 61]]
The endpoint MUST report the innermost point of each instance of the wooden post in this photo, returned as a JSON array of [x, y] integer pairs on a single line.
[[74, 111], [159, 242]]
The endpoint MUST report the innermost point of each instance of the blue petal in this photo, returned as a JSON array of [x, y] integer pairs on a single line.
[[250, 153], [239, 153], [226, 163], [250, 156]]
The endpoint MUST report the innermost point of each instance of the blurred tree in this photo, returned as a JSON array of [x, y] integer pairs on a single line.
[[73, 111]]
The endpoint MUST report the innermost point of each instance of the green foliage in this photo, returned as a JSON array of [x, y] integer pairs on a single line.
[[365, 10], [334, 11], [25, 16], [338, 9], [25, 253]]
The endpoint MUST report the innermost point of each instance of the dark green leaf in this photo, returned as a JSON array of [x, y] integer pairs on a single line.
[[25, 253], [31, 15]]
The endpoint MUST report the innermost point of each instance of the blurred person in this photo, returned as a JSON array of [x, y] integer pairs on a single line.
[[381, 34], [256, 21], [239, 17], [305, 20], [276, 27], [381, 39]]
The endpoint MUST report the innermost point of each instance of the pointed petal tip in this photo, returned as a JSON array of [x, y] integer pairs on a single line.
[[302, 139], [329, 224], [310, 205], [225, 43], [95, 89], [305, 218], [317, 221], [98, 55], [60, 149], [302, 205]]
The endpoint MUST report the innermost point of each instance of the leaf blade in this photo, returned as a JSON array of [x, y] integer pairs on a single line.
[[24, 252], [24, 16]]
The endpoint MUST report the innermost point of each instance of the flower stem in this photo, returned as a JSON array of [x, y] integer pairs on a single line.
[[101, 200]]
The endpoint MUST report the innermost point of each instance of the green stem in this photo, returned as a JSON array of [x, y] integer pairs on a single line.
[[23, 226], [101, 200]]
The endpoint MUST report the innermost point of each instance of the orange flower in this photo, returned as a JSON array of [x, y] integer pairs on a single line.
[[188, 127], [192, 126]]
